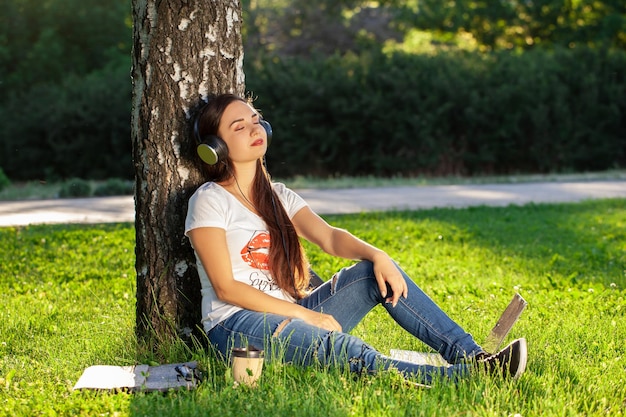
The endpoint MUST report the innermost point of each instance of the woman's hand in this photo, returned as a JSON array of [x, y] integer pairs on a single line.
[[387, 272], [324, 321]]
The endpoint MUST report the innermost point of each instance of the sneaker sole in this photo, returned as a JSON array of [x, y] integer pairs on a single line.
[[523, 356]]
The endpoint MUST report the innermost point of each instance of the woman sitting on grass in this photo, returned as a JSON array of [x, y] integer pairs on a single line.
[[245, 232]]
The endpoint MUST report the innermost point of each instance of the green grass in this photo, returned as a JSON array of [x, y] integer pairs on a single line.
[[67, 296]]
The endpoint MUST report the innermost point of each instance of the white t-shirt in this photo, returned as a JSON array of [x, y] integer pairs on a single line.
[[248, 242]]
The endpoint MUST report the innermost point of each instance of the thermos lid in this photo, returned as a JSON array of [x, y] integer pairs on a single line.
[[247, 352]]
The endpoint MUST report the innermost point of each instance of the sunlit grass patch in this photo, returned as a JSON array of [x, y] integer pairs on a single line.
[[68, 302]]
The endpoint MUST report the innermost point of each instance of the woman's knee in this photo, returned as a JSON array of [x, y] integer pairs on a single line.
[[346, 352], [362, 271], [363, 268]]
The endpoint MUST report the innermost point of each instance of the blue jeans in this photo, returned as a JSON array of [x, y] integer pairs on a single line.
[[348, 297]]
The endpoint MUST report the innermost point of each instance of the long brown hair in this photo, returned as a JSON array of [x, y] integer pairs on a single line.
[[287, 260]]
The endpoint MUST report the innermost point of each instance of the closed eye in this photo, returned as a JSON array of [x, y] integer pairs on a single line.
[[237, 124]]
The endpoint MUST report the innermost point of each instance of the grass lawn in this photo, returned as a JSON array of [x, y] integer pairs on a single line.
[[67, 295]]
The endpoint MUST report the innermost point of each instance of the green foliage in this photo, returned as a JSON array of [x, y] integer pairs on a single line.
[[504, 24], [43, 42], [4, 180], [434, 110], [68, 303], [302, 27], [75, 187], [293, 27], [65, 90], [453, 113], [78, 128]]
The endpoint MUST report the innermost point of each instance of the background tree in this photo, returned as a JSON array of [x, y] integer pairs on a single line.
[[182, 52]]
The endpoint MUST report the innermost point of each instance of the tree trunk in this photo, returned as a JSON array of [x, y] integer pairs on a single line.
[[183, 50]]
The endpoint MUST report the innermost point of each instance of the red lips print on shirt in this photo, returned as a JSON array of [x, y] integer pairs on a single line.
[[256, 252]]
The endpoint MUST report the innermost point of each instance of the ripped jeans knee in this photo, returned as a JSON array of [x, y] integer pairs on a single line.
[[303, 344], [345, 351]]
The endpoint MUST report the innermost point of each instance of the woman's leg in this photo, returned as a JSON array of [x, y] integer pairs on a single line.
[[294, 341], [353, 292]]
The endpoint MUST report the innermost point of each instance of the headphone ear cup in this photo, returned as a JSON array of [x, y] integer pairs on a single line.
[[268, 130], [212, 149]]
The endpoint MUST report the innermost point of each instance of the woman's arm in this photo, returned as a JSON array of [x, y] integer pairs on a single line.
[[210, 245], [340, 242]]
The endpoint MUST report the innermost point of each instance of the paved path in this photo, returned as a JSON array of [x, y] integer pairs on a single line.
[[353, 200]]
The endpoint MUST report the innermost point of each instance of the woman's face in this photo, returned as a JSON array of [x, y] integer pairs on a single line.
[[240, 128]]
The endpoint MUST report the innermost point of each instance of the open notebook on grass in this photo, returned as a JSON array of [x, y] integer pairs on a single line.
[[139, 377]]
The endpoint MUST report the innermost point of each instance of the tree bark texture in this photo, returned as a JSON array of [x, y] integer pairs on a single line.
[[183, 50]]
